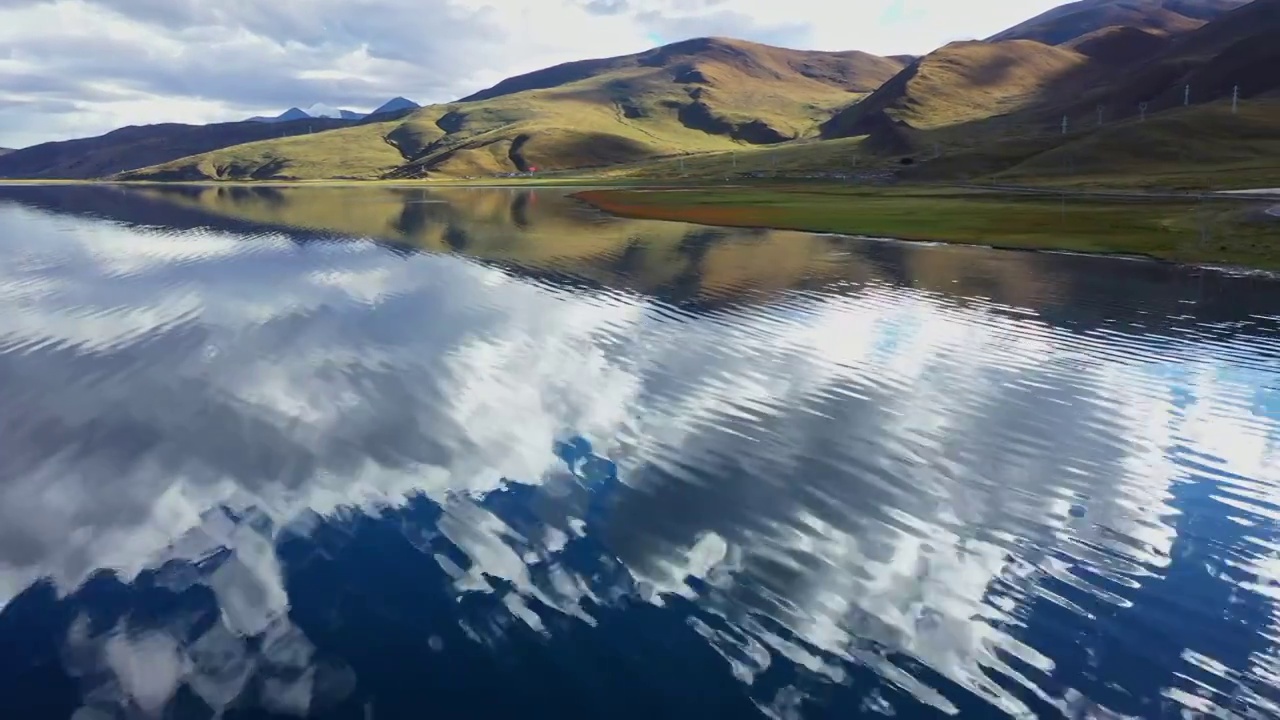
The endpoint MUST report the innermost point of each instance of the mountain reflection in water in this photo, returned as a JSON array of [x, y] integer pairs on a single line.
[[395, 452]]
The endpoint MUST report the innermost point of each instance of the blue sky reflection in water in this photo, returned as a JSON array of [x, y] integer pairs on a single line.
[[259, 463]]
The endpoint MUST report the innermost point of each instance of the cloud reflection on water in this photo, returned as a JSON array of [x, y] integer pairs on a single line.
[[842, 477]]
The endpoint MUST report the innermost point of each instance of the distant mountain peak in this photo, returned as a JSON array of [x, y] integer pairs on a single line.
[[396, 104], [318, 110]]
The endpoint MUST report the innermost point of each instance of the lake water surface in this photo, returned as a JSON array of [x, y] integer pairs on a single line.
[[401, 453]]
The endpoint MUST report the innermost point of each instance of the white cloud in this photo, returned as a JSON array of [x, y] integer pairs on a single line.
[[82, 67]]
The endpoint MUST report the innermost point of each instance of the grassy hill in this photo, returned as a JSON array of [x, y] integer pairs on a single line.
[[1074, 20], [695, 96], [963, 82], [1196, 148], [138, 146], [854, 71]]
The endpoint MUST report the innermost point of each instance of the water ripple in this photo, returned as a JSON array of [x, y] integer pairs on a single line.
[[586, 467]]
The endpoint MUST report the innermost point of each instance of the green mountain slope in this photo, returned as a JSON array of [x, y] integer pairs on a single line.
[[695, 96]]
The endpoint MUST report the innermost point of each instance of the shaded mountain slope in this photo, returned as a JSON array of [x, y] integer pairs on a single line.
[[693, 96], [1119, 45], [1241, 47], [1073, 20]]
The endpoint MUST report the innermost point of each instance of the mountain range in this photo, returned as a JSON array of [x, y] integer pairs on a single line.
[[984, 106], [396, 104]]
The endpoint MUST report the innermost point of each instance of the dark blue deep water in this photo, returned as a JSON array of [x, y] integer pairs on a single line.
[[396, 453]]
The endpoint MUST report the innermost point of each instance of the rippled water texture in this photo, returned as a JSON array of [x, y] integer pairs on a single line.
[[391, 453]]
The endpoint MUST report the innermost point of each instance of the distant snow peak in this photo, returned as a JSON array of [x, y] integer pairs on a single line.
[[321, 110]]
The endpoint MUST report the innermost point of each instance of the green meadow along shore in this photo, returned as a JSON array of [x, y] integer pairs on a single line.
[[1235, 230]]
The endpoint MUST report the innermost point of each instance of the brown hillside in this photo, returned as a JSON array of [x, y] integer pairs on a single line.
[[854, 71], [963, 82], [1073, 20]]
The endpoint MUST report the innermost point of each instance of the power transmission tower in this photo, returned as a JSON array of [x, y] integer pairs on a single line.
[[1186, 95], [1235, 100]]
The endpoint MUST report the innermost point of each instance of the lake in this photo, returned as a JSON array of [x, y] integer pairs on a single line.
[[405, 453]]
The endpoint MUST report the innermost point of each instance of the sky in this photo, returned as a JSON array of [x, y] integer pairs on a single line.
[[75, 68]]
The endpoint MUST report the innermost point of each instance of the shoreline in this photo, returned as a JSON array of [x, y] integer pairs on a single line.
[[1234, 231]]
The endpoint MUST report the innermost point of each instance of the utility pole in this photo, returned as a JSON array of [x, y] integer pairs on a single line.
[[1100, 109], [1064, 124], [1235, 100]]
